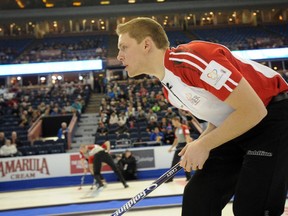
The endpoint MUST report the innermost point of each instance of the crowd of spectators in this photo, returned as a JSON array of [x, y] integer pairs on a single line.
[[64, 50], [253, 43], [30, 103], [95, 46], [137, 109], [21, 107], [53, 49]]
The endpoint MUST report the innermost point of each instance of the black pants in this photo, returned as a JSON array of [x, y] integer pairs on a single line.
[[176, 159], [252, 167], [103, 156]]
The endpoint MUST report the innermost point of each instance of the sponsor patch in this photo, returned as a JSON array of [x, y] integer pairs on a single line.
[[215, 75]]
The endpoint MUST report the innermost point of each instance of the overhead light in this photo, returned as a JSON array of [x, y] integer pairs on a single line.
[[77, 4], [131, 1], [160, 0], [105, 2], [49, 5], [20, 4]]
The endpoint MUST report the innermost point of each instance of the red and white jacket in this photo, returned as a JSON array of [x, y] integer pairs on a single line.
[[200, 75]]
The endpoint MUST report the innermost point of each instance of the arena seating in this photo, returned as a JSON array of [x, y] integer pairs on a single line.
[[59, 48], [11, 48], [11, 117], [240, 37]]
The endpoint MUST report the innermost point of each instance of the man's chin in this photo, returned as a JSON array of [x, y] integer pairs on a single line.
[[131, 74]]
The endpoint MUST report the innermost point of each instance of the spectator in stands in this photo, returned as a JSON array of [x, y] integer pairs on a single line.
[[116, 89], [130, 115], [67, 107], [145, 103], [113, 120], [128, 166], [15, 140], [143, 91], [97, 87], [121, 95], [103, 103], [30, 113], [122, 105], [102, 130], [140, 114], [103, 118], [77, 106], [122, 124], [55, 111], [164, 124], [169, 113], [63, 134], [156, 108], [42, 107], [110, 93], [24, 119], [113, 105], [103, 84], [152, 123], [157, 135], [8, 150], [152, 98], [2, 139], [15, 109], [151, 115], [169, 136]]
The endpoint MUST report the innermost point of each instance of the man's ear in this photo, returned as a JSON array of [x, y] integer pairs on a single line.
[[148, 44]]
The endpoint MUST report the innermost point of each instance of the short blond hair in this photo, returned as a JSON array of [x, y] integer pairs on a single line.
[[142, 27]]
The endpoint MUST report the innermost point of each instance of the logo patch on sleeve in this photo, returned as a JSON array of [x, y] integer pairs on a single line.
[[215, 75]]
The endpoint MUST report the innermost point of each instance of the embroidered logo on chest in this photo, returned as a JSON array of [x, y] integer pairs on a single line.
[[193, 99]]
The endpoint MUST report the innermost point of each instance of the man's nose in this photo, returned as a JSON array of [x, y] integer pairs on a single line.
[[119, 57]]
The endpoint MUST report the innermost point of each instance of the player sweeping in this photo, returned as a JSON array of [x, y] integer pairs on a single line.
[[243, 151], [86, 159], [96, 155]]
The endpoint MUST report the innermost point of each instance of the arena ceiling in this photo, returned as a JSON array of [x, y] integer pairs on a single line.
[[13, 10], [36, 4]]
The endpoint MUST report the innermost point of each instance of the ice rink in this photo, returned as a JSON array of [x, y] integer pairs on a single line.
[[72, 201]]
